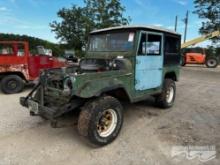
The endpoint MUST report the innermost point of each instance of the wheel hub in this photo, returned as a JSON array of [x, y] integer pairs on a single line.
[[211, 62], [107, 123], [170, 95], [12, 84]]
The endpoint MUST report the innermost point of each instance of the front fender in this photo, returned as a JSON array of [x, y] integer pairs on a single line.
[[97, 87]]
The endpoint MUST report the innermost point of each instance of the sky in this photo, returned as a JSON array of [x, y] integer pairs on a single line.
[[32, 17]]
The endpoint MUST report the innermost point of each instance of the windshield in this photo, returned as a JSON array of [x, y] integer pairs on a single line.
[[122, 41]]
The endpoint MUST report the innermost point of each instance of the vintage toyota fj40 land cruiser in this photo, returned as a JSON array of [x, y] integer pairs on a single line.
[[128, 62]]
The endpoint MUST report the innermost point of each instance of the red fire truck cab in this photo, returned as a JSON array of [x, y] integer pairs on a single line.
[[19, 66]]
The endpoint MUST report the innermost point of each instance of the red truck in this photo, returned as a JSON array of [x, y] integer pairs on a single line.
[[19, 66]]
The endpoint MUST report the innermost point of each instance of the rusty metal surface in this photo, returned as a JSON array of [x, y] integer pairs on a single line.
[[20, 68]]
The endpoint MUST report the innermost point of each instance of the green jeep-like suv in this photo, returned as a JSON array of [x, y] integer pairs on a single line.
[[126, 62]]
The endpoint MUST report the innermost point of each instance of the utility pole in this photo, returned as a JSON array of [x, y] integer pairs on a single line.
[[186, 21], [176, 23]]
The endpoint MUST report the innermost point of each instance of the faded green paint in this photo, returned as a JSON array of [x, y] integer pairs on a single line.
[[102, 83], [93, 84]]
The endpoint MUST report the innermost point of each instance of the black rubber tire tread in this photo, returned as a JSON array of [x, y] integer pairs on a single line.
[[161, 99], [90, 114], [6, 79], [211, 58]]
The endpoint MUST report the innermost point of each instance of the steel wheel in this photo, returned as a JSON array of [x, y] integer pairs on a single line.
[[170, 95], [212, 62], [100, 120], [12, 84], [167, 97], [107, 123]]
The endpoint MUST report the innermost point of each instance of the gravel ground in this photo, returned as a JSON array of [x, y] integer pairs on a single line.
[[147, 137]]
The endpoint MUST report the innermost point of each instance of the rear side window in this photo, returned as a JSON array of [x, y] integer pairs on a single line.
[[172, 45], [172, 54]]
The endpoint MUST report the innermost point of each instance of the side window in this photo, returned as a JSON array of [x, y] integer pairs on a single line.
[[154, 44], [150, 44], [6, 50], [20, 52], [142, 46], [172, 45]]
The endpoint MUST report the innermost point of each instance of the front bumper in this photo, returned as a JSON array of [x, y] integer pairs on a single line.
[[49, 111], [45, 112]]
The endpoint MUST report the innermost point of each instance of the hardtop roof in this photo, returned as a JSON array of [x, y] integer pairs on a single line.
[[136, 27]]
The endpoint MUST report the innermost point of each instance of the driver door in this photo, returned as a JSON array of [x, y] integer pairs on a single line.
[[149, 61]]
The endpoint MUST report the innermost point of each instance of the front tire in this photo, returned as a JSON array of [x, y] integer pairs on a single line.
[[100, 120], [212, 62], [12, 84], [167, 98]]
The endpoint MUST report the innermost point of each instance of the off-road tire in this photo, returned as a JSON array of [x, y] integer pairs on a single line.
[[12, 84], [211, 62], [162, 100], [90, 116]]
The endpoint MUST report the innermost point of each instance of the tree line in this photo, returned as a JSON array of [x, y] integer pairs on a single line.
[[58, 50]]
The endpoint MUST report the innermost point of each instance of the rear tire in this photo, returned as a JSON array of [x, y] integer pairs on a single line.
[[100, 120], [12, 84], [212, 62], [167, 97]]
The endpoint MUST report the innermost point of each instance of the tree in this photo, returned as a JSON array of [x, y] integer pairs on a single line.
[[77, 22], [106, 13], [73, 27], [209, 11]]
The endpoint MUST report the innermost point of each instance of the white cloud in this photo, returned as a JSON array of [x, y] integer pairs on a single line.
[[33, 27], [170, 27], [9, 19], [140, 2], [148, 6], [2, 8], [158, 25], [13, 1], [182, 2]]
